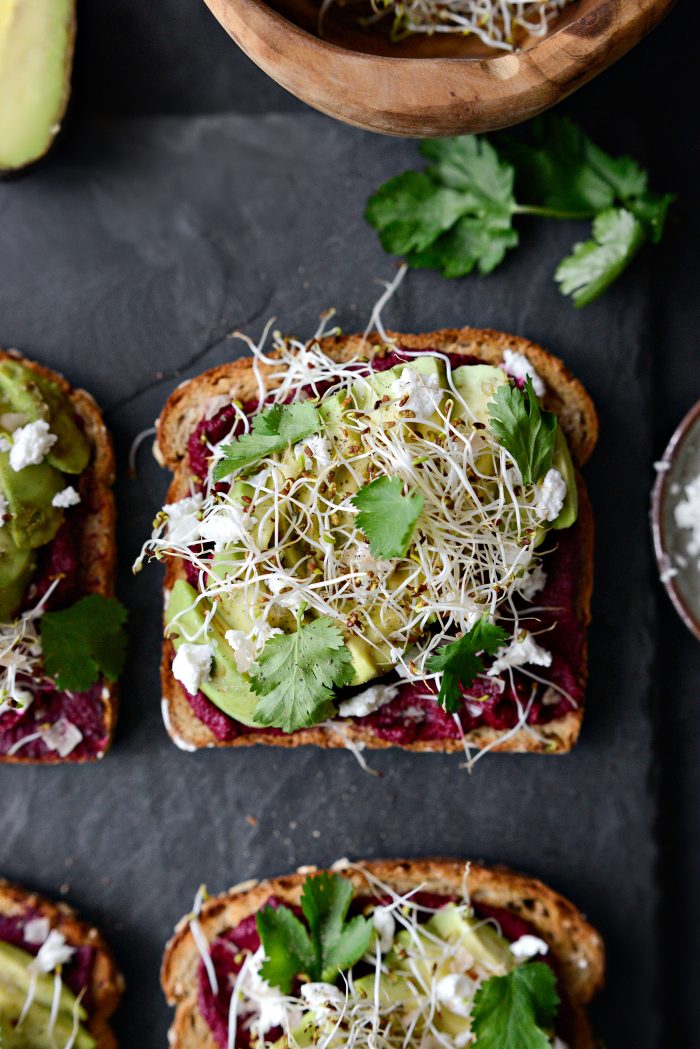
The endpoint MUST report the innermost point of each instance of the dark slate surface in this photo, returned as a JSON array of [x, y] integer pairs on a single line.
[[125, 260]]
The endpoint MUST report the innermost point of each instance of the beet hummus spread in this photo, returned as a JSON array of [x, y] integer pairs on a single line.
[[230, 949], [413, 715]]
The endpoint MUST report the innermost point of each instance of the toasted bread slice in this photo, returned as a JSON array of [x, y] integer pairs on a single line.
[[107, 983], [575, 945], [565, 396], [97, 543]]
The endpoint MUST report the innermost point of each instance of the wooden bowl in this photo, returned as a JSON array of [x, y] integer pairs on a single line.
[[429, 86]]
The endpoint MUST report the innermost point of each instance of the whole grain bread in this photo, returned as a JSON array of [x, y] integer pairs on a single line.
[[565, 396], [97, 544], [575, 945], [107, 983]]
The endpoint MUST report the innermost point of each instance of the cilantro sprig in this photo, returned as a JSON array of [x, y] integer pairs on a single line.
[[296, 673], [272, 431], [459, 214], [516, 1011], [323, 947], [527, 432], [460, 661], [83, 642], [387, 517]]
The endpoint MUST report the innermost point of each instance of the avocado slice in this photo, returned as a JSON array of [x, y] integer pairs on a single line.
[[226, 688], [34, 1032], [14, 970], [36, 56], [563, 462], [476, 384], [482, 941], [23, 390], [16, 571], [33, 520]]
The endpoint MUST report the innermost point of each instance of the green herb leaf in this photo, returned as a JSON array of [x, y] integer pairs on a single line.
[[272, 431], [516, 1011], [410, 211], [472, 166], [459, 661], [331, 943], [295, 675], [470, 243], [594, 264], [387, 517], [83, 642], [527, 432], [288, 947], [339, 943]]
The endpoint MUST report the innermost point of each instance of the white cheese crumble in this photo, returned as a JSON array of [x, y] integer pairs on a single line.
[[290, 598], [36, 931], [52, 953], [519, 367], [551, 496], [423, 392], [192, 666], [455, 991], [30, 444], [687, 514], [243, 648], [520, 651], [318, 997], [385, 925], [183, 518], [65, 498], [318, 448], [367, 701], [270, 1004], [225, 524], [532, 583], [527, 947]]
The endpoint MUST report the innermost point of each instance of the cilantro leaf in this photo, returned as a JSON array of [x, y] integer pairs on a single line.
[[470, 243], [387, 517], [329, 945], [516, 1011], [339, 943], [83, 642], [295, 675], [471, 165], [272, 431], [411, 210], [527, 432], [594, 264], [459, 661], [288, 947]]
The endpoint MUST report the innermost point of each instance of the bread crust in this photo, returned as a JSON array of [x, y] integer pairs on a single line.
[[107, 984], [576, 945], [565, 396], [97, 544]]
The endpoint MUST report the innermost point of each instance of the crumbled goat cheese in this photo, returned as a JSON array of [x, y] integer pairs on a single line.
[[520, 651], [30, 444], [385, 924], [455, 992], [318, 447], [423, 392], [687, 514], [3, 509], [243, 648], [269, 1002], [52, 953], [36, 931], [531, 583], [527, 947], [65, 498], [551, 496], [291, 599], [519, 367], [183, 519], [63, 737], [192, 666], [262, 632], [318, 997], [367, 701], [225, 524]]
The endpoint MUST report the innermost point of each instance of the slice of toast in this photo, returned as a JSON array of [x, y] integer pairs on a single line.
[[106, 984], [97, 543], [575, 945], [565, 396]]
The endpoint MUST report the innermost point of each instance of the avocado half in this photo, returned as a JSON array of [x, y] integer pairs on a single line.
[[36, 58]]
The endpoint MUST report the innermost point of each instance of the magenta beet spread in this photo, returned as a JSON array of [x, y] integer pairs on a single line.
[[413, 716]]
